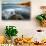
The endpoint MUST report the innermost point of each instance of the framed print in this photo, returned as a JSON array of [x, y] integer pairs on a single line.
[[16, 11]]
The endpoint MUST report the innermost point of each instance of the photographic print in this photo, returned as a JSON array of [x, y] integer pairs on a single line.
[[16, 11]]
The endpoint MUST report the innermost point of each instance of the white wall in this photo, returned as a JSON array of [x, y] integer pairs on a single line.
[[25, 27], [15, 1]]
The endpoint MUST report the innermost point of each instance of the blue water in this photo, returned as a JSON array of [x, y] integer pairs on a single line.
[[7, 6], [23, 9]]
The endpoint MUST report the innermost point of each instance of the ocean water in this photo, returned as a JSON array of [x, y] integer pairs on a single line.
[[24, 11], [7, 6]]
